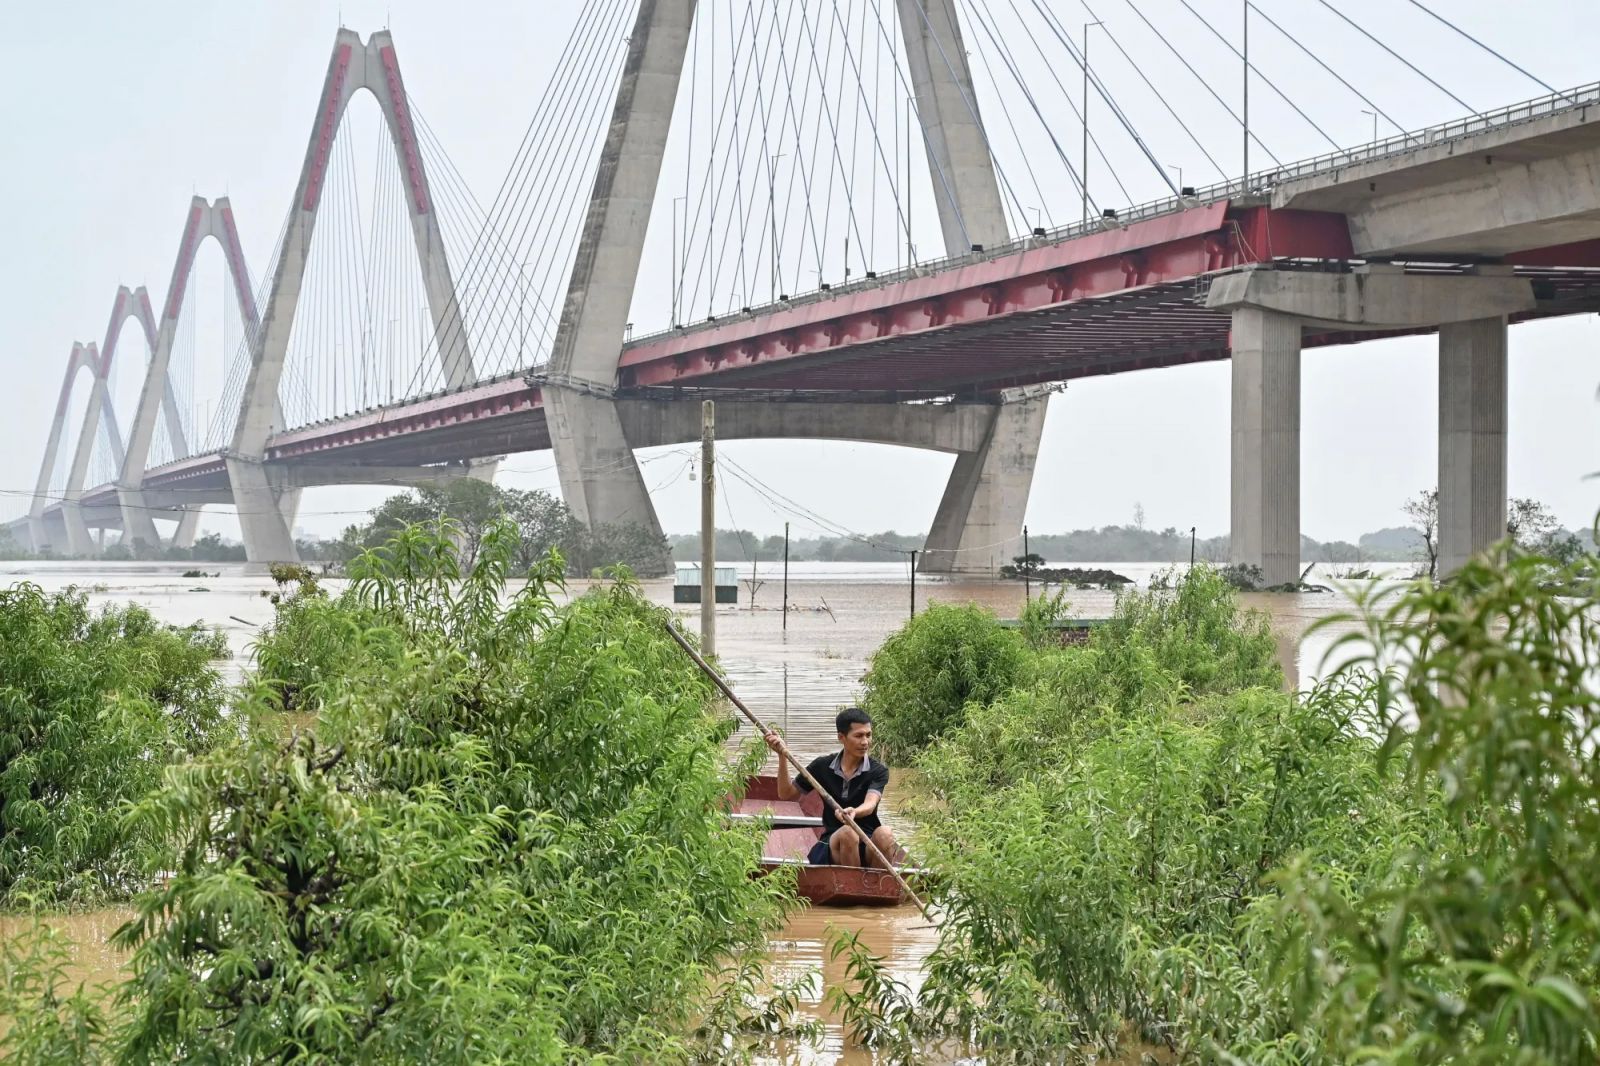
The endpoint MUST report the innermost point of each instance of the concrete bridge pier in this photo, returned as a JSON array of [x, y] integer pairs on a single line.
[[978, 525], [1264, 481], [1271, 308], [1472, 439]]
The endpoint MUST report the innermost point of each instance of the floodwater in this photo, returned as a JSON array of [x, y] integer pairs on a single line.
[[794, 669]]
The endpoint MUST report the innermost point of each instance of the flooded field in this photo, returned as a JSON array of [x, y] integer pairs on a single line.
[[796, 676]]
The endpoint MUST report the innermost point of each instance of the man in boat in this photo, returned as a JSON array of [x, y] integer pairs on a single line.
[[856, 782]]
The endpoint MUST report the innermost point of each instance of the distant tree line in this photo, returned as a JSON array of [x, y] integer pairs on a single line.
[[1530, 523], [543, 520]]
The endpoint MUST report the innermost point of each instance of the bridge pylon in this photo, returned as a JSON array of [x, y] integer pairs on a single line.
[[600, 478], [83, 357], [353, 66], [980, 515], [156, 399]]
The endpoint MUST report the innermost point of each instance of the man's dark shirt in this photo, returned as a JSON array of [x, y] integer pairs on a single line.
[[871, 776]]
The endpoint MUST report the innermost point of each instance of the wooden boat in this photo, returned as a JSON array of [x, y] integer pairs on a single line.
[[796, 826]]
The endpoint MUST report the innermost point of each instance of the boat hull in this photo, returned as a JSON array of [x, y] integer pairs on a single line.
[[832, 886]]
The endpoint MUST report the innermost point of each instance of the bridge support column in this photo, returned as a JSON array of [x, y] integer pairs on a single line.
[[261, 522], [1265, 476], [600, 479], [1472, 439], [978, 526]]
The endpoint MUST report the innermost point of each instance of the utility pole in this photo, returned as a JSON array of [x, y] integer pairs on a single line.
[[786, 591], [1191, 547], [913, 582], [708, 529], [1084, 184], [1245, 184], [1027, 569], [772, 213]]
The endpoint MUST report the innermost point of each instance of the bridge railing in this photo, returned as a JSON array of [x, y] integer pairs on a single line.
[[1256, 183]]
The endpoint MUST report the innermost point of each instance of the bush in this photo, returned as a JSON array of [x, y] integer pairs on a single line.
[[923, 677], [92, 706], [502, 844], [1395, 867]]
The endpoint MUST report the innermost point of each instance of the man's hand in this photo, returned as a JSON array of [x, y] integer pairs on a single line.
[[847, 814], [774, 741]]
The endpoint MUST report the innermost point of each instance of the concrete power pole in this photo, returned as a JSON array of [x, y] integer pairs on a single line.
[[708, 529]]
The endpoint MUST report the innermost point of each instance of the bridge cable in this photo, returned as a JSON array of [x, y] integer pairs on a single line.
[[1011, 67], [935, 168], [545, 162], [1050, 66], [536, 204], [1412, 66], [550, 203], [1159, 95], [1204, 82], [562, 86], [1054, 25], [872, 123], [1318, 61], [1257, 71], [1520, 70]]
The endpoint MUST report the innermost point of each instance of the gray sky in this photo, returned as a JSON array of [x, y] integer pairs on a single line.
[[113, 115]]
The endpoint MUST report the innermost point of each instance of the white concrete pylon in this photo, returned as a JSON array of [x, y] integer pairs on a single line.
[[965, 188], [205, 219], [978, 525], [83, 357], [129, 304], [353, 66], [600, 478]]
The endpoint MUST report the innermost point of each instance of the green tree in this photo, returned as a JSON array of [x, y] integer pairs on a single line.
[[924, 677], [502, 843], [1423, 511], [92, 708]]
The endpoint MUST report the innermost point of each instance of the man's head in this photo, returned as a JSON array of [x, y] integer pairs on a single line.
[[855, 730]]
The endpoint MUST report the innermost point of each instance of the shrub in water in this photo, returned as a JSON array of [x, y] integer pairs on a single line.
[[92, 706], [924, 676], [502, 844]]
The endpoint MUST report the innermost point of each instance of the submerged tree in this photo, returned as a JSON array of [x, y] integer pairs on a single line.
[[92, 707], [501, 842]]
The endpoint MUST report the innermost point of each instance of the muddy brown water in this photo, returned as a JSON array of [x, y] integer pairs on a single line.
[[796, 677]]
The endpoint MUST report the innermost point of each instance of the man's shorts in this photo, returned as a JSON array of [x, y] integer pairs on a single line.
[[821, 853]]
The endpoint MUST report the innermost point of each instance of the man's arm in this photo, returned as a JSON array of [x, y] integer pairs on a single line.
[[786, 785], [880, 781]]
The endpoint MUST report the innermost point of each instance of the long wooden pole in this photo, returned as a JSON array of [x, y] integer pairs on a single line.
[[844, 816], [708, 527]]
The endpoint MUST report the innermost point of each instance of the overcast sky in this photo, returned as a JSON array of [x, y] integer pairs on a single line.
[[114, 114]]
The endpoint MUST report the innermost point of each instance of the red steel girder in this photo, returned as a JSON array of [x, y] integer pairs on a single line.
[[1170, 248]]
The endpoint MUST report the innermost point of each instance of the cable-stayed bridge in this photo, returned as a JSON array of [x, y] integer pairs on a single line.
[[405, 331]]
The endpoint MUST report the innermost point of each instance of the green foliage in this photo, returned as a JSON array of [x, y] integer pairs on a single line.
[[502, 844], [1485, 951], [923, 677], [43, 1020], [92, 706], [544, 523], [1143, 837]]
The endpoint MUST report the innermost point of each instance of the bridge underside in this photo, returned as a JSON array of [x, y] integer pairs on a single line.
[[868, 390]]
